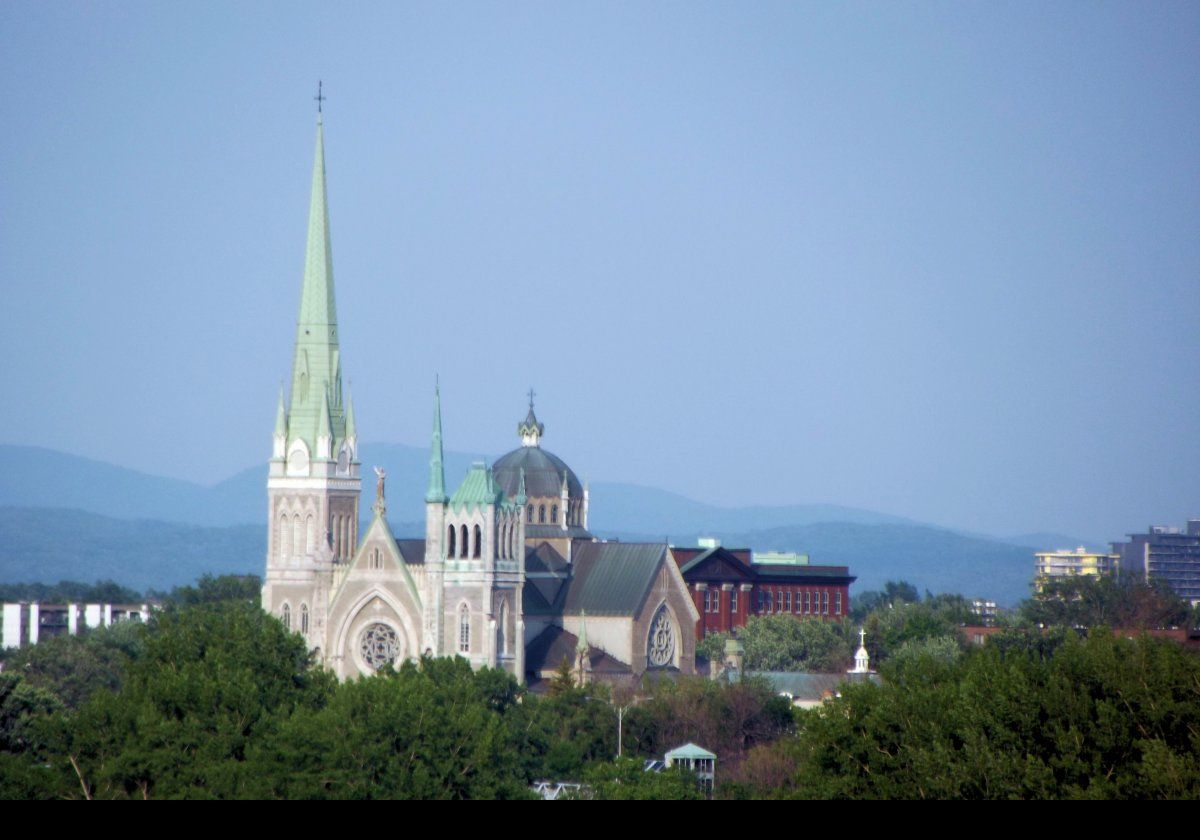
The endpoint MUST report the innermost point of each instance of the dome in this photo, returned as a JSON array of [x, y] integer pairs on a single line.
[[543, 473]]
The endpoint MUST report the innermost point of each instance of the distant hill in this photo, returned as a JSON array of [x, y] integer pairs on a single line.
[[48, 545], [35, 477], [930, 558], [1053, 542], [63, 516]]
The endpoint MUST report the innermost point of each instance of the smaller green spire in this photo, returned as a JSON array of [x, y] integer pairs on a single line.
[[281, 417], [581, 646], [324, 427], [351, 429], [437, 473]]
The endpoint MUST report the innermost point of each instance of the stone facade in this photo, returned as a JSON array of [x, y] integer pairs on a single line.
[[365, 601]]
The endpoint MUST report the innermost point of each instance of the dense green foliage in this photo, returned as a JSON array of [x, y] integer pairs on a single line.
[[215, 699], [1100, 717], [787, 643], [900, 617], [70, 592], [1107, 601]]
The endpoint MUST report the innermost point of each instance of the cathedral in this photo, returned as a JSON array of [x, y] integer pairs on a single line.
[[508, 574]]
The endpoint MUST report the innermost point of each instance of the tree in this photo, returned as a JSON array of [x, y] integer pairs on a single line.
[[211, 680], [1101, 717], [626, 778], [1106, 601], [73, 668], [787, 643], [894, 592], [430, 730], [212, 590]]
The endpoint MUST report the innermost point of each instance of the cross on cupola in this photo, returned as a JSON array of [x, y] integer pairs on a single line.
[[530, 429]]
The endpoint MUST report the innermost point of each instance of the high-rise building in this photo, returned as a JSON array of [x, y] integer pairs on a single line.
[[1166, 553], [1067, 563]]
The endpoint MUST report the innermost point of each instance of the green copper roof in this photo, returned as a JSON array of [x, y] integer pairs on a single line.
[[478, 490], [316, 368], [689, 750], [437, 473], [582, 645]]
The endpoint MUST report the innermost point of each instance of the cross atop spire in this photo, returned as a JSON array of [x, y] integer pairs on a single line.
[[320, 97], [531, 396]]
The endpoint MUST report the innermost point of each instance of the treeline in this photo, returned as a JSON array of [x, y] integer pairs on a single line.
[[899, 622], [207, 589], [215, 699]]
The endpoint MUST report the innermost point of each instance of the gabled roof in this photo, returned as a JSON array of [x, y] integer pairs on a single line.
[[718, 562], [413, 551], [545, 558], [612, 578], [554, 644]]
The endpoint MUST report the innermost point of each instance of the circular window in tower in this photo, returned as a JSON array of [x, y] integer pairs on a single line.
[[379, 645]]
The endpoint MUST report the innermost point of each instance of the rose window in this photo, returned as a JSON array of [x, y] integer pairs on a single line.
[[380, 646], [660, 648]]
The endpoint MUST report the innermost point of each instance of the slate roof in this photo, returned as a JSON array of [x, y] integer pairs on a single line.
[[556, 532], [543, 473], [413, 551], [603, 578], [836, 574], [554, 644], [806, 685], [612, 578], [545, 558]]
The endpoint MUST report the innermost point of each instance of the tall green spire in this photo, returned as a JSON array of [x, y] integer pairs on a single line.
[[437, 473], [316, 367]]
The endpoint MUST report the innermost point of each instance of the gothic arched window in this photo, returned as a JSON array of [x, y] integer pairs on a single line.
[[450, 541], [304, 618], [478, 542], [286, 615], [554, 513], [464, 629], [529, 518], [462, 549], [541, 513], [285, 537], [502, 641], [660, 644]]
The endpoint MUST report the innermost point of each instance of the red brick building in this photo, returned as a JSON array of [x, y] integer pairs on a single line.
[[728, 587]]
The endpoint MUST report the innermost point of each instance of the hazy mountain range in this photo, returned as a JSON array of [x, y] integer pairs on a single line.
[[67, 517]]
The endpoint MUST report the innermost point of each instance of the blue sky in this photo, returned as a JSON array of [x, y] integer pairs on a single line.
[[938, 260]]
